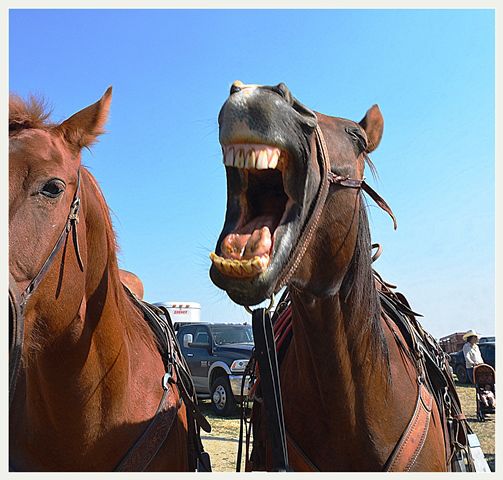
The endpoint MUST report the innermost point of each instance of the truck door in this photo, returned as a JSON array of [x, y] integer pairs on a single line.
[[198, 355]]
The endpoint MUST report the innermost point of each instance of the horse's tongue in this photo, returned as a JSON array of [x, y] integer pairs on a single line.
[[253, 239]]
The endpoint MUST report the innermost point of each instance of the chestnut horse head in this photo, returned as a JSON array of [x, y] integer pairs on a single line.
[[273, 180], [88, 379], [295, 216], [44, 180]]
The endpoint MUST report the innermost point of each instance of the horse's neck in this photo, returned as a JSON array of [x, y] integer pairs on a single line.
[[323, 336], [336, 387], [92, 381], [115, 347]]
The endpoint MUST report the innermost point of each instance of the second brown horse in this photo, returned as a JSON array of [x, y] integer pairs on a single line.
[[348, 390]]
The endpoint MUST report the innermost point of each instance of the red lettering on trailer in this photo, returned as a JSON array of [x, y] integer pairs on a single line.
[[181, 312]]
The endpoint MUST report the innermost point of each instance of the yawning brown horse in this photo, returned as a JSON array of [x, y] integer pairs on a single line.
[[87, 369], [295, 216]]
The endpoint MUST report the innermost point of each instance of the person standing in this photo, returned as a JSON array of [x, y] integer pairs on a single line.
[[471, 352]]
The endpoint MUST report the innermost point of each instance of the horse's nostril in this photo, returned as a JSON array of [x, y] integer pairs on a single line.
[[236, 86], [282, 87], [284, 91]]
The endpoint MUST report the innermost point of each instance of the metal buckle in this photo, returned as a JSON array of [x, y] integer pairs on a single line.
[[268, 309], [166, 380]]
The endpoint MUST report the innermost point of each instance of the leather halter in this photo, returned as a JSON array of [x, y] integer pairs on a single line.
[[327, 178], [146, 447], [71, 224], [17, 303]]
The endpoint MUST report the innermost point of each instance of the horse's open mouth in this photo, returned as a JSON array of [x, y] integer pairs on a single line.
[[262, 207]]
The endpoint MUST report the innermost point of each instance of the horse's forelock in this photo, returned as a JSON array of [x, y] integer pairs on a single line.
[[30, 113]]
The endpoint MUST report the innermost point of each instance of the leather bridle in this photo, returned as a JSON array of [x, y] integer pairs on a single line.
[[17, 303], [265, 347], [327, 178], [150, 441]]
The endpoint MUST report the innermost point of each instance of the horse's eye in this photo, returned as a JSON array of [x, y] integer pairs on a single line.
[[53, 188], [357, 137]]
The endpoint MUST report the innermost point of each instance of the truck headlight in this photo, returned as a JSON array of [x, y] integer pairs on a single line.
[[238, 366]]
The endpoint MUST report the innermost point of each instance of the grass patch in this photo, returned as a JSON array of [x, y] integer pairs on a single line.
[[485, 430]]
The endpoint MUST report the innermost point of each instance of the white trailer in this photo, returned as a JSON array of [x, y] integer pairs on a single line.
[[182, 312]]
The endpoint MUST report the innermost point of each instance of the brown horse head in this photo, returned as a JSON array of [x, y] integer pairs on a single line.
[[44, 166], [273, 180], [295, 216], [88, 373], [133, 282]]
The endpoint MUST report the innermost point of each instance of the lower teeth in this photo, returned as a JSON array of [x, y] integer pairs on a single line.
[[240, 268]]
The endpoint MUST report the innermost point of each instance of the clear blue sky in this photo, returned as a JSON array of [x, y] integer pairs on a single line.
[[430, 71]]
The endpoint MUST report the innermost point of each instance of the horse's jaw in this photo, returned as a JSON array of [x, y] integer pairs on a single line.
[[270, 188]]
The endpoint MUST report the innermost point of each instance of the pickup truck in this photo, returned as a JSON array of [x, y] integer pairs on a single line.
[[217, 354]]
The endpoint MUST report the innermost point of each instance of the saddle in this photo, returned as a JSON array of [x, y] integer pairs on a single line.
[[432, 365], [177, 374]]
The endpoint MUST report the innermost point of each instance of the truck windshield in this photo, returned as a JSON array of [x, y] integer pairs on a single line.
[[223, 334]]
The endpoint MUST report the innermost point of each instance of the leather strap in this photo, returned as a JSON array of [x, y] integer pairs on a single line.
[[327, 178], [16, 336], [265, 353], [17, 303], [142, 452], [71, 223], [356, 183], [412, 440], [310, 227], [299, 458]]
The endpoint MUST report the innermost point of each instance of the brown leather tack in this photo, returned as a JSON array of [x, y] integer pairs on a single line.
[[414, 436]]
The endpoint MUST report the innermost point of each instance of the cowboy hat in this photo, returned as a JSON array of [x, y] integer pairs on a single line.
[[470, 333]]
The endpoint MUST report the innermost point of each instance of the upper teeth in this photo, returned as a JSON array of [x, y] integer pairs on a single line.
[[260, 157]]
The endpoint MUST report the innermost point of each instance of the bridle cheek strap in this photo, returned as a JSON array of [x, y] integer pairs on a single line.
[[355, 183], [346, 181], [327, 178], [71, 224]]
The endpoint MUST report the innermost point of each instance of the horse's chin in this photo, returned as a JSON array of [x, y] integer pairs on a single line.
[[254, 289], [264, 218]]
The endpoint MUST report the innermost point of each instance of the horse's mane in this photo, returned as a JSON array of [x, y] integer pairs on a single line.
[[30, 113], [136, 325], [358, 290]]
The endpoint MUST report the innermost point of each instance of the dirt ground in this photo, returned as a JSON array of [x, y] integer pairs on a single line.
[[222, 442], [485, 430]]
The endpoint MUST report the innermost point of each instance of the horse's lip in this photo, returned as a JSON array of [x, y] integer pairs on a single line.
[[250, 157], [251, 290], [257, 266]]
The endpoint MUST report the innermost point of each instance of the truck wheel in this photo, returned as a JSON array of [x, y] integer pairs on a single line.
[[222, 397], [461, 374]]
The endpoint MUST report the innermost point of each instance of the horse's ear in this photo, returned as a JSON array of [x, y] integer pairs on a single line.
[[83, 127], [373, 124]]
